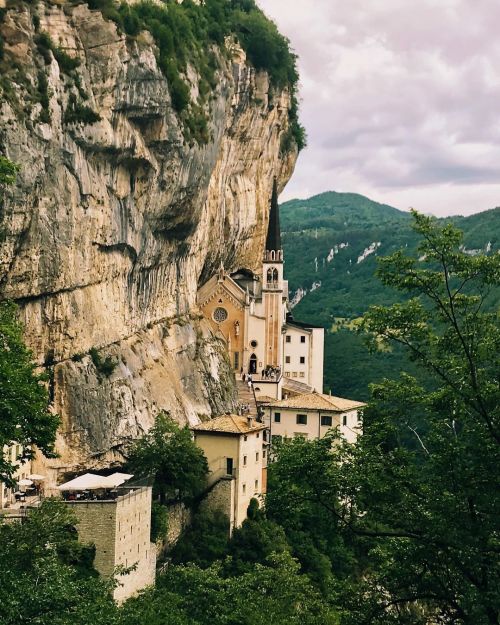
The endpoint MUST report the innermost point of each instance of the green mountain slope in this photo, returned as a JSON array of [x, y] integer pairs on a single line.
[[331, 243]]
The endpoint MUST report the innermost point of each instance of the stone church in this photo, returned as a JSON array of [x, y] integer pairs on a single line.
[[251, 312]]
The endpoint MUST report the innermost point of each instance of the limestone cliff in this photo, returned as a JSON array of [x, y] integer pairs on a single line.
[[112, 225]]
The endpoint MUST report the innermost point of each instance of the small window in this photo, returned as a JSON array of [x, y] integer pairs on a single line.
[[302, 374], [253, 344], [245, 437], [302, 339], [288, 338], [244, 488], [301, 419], [256, 485], [258, 435], [302, 360], [264, 435], [326, 420], [236, 360], [244, 461], [277, 417], [344, 419], [264, 453], [287, 359], [256, 456], [294, 374]]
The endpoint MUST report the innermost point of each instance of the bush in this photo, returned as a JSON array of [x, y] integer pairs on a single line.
[[205, 541], [78, 113], [44, 97], [45, 46], [105, 366], [159, 521]]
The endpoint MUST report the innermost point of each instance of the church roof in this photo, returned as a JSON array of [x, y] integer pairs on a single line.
[[318, 401], [273, 240], [230, 424], [300, 324]]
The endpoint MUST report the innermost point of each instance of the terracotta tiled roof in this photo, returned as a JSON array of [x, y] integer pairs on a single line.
[[265, 399], [231, 424], [318, 401]]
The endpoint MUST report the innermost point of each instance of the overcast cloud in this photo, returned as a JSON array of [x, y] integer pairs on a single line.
[[401, 100]]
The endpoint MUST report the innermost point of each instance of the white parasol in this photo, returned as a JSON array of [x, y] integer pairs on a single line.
[[25, 482], [36, 477]]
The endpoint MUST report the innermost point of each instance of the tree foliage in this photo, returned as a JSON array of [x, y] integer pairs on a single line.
[[266, 595], [46, 575], [188, 33], [8, 172], [417, 496], [168, 453], [24, 414]]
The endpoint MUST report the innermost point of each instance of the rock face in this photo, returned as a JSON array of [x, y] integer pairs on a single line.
[[113, 225]]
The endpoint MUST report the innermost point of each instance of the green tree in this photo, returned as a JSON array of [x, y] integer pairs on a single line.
[[24, 415], [168, 453], [8, 171], [46, 576], [266, 595], [418, 493], [255, 541], [205, 540]]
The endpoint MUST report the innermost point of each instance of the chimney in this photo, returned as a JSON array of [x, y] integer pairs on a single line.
[[250, 421]]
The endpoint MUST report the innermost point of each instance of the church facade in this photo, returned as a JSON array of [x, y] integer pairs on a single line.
[[251, 312]]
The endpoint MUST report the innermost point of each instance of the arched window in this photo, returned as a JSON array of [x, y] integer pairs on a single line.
[[252, 368], [269, 275], [273, 255], [275, 275]]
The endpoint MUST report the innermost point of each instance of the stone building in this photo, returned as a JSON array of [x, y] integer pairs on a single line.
[[236, 454], [117, 520], [251, 312], [311, 416]]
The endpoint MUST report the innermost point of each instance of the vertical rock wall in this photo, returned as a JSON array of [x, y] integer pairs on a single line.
[[113, 225]]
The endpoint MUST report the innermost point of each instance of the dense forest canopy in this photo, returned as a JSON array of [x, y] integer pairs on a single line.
[[332, 242]]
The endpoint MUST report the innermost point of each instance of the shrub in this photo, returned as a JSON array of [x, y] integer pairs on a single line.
[[159, 521], [66, 63], [78, 113], [44, 46], [105, 366], [44, 97]]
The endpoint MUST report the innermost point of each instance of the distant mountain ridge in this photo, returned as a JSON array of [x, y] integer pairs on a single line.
[[331, 242]]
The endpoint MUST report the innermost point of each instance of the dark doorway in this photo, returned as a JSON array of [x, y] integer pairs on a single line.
[[253, 364], [229, 466]]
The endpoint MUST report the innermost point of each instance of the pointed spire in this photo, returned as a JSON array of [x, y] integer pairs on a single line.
[[273, 240]]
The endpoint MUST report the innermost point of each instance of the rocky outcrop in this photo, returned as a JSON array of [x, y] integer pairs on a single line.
[[114, 224]]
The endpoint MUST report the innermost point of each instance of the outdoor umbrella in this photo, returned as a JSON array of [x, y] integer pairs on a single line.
[[36, 477], [25, 482]]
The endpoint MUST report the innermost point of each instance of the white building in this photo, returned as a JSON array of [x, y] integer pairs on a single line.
[[251, 312], [311, 416], [236, 454]]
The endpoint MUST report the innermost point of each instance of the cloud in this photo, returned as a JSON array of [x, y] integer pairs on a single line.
[[398, 99]]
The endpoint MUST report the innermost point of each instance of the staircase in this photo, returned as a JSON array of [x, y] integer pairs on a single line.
[[246, 397]]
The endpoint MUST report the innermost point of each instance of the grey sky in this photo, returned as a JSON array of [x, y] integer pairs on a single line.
[[401, 100]]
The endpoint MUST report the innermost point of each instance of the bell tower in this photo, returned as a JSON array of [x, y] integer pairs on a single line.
[[272, 286]]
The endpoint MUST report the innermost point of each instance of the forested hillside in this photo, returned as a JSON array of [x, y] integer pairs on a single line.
[[331, 243]]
